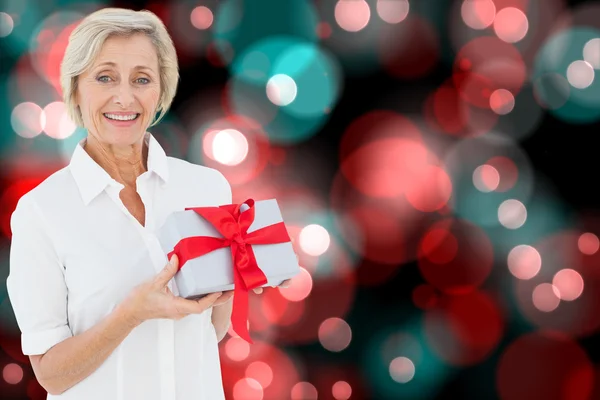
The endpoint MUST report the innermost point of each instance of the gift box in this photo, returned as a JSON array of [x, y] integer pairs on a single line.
[[232, 247]]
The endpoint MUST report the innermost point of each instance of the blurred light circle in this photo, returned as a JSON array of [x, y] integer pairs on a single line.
[[511, 24], [511, 162], [335, 334], [524, 262], [335, 287], [478, 14], [247, 389], [431, 190], [241, 24], [201, 17], [552, 90], [447, 110], [316, 74], [296, 103], [544, 365], [375, 125], [261, 372], [591, 53], [405, 58], [425, 296], [391, 343], [512, 214], [6, 24], [502, 101], [559, 61], [486, 178], [402, 369], [439, 246], [276, 311], [379, 238], [484, 65], [455, 256], [341, 390], [324, 30], [393, 11], [263, 357], [464, 329], [580, 74], [314, 240], [229, 146], [240, 144], [588, 243], [237, 349], [12, 373], [27, 120], [508, 171], [48, 43], [304, 391], [352, 15], [545, 297], [569, 284], [281, 90], [299, 288], [520, 116], [580, 318], [58, 123]]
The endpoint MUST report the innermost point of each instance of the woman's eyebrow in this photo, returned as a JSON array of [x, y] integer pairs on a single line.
[[112, 64]]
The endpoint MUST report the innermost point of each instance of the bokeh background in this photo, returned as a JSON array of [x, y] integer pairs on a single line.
[[435, 161]]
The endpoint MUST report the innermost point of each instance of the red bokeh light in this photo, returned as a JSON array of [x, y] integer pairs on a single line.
[[406, 58], [432, 190], [484, 65], [446, 111], [455, 256], [579, 317], [425, 296], [53, 58], [375, 125], [464, 329], [11, 197], [283, 369], [258, 149], [544, 365], [385, 168], [508, 171]]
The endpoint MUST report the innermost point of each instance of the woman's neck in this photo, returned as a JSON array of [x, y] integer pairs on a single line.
[[123, 164]]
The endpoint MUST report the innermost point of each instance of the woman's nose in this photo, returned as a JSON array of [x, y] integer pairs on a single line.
[[124, 95]]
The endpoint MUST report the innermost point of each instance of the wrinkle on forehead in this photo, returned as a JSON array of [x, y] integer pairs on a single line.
[[127, 51]]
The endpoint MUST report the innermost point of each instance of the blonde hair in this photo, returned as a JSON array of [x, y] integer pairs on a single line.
[[87, 39]]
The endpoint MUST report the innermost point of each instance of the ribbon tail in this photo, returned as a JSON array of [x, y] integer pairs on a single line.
[[239, 314]]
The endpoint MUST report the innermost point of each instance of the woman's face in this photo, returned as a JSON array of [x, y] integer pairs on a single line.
[[122, 83]]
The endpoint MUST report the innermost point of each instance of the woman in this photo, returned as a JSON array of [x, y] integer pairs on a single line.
[[88, 281]]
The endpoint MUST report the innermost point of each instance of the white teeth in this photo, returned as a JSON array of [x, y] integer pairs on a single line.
[[121, 117]]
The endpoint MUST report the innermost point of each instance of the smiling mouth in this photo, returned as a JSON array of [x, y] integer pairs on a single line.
[[114, 117]]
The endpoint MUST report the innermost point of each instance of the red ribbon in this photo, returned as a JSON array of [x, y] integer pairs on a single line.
[[233, 225]]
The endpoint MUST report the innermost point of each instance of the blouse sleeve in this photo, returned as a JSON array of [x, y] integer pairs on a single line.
[[36, 282]]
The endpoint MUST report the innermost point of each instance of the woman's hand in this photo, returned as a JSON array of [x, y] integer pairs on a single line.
[[154, 299]]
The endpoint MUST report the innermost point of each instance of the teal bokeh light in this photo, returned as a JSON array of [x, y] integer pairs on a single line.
[[579, 106], [314, 72], [316, 75], [407, 341], [239, 24], [467, 201]]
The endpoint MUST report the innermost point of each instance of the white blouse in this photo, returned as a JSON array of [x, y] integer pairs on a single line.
[[77, 252]]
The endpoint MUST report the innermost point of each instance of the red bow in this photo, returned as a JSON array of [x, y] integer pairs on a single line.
[[233, 225]]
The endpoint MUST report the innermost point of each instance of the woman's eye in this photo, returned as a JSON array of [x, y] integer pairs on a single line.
[[103, 78], [143, 80]]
